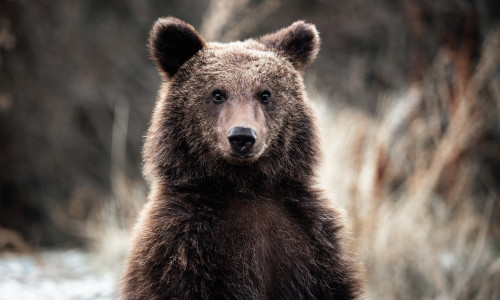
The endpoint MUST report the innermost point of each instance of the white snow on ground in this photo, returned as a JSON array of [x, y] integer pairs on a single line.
[[69, 274]]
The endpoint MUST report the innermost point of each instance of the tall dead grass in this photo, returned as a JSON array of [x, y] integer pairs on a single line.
[[413, 178]]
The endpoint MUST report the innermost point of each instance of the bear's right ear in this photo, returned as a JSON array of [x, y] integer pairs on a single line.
[[172, 42]]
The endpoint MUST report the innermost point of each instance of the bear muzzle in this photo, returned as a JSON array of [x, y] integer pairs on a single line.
[[241, 140]]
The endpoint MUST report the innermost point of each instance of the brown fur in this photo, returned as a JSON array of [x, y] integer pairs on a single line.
[[223, 227]]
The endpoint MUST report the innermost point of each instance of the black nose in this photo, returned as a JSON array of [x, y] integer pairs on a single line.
[[241, 138]]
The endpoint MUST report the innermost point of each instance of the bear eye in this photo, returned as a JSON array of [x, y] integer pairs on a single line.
[[218, 96], [265, 96]]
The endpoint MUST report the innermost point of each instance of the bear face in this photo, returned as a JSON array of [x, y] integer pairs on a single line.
[[232, 112]]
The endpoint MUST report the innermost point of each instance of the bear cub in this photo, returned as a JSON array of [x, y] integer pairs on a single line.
[[231, 155]]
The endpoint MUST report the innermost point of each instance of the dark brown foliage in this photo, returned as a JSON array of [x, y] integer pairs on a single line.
[[220, 226]]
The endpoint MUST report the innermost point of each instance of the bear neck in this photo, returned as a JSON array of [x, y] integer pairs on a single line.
[[233, 181], [182, 173], [215, 189]]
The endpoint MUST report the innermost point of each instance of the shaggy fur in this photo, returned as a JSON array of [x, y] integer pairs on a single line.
[[218, 226]]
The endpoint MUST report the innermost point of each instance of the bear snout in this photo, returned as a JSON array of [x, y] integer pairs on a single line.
[[241, 139], [241, 131]]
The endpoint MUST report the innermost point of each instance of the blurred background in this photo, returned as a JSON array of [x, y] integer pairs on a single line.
[[408, 98]]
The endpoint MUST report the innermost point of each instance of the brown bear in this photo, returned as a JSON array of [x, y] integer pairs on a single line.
[[231, 155]]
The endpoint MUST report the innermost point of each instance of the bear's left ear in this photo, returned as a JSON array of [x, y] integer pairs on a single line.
[[172, 42], [299, 43]]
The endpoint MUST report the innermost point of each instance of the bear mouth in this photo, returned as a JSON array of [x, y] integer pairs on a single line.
[[240, 159], [243, 156]]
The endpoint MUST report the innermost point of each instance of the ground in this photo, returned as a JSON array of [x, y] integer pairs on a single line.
[[66, 274]]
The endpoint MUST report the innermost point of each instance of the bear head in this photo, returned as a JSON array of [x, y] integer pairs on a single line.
[[231, 113]]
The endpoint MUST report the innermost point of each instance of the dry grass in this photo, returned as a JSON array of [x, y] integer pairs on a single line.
[[409, 178]]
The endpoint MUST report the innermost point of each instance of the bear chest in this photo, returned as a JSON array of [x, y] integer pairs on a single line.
[[262, 244]]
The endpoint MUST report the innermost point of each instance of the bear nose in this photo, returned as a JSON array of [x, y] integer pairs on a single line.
[[241, 138]]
